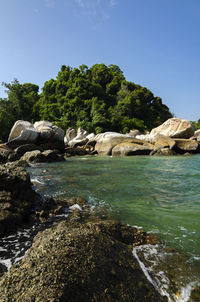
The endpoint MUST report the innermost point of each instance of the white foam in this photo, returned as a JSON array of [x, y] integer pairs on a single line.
[[159, 279], [7, 263], [185, 292], [75, 207], [37, 181], [161, 288]]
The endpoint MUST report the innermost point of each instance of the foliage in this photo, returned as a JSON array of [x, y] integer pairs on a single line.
[[196, 125], [18, 105], [97, 99]]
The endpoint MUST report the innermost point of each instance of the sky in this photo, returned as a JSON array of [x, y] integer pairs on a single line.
[[156, 43]]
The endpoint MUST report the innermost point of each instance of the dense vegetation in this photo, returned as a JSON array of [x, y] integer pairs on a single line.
[[97, 99]]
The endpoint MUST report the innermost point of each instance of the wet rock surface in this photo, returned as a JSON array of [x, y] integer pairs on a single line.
[[16, 196], [76, 261]]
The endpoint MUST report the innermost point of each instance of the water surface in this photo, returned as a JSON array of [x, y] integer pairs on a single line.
[[159, 194]]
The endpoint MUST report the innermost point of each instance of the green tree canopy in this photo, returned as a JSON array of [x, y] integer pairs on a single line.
[[98, 99]]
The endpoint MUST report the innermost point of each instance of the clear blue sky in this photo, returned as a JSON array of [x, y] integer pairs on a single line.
[[156, 43]]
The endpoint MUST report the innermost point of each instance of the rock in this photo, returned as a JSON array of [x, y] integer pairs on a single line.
[[81, 133], [21, 150], [4, 154], [196, 135], [51, 156], [16, 197], [75, 151], [163, 152], [80, 139], [32, 156], [78, 142], [162, 141], [80, 262], [48, 133], [108, 140], [132, 149], [134, 133], [22, 132], [186, 145], [174, 127], [195, 294], [18, 127], [47, 156], [90, 136], [70, 134], [144, 137]]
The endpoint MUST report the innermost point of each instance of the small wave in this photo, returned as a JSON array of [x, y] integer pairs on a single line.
[[37, 181], [154, 261], [185, 292], [162, 289]]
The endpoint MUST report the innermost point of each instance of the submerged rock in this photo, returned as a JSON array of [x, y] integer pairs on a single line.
[[79, 262]]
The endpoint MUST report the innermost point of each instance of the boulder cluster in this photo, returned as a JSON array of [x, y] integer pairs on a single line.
[[175, 136], [45, 142]]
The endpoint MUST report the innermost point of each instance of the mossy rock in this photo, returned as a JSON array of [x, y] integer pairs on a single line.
[[79, 262]]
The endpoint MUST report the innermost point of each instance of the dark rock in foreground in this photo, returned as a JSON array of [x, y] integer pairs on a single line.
[[80, 262], [16, 197]]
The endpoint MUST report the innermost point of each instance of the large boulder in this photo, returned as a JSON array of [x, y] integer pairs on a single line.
[[80, 262], [126, 149], [22, 132], [16, 197], [18, 127], [174, 127], [49, 133], [108, 140]]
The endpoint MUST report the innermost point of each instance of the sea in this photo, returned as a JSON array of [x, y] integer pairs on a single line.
[[160, 195]]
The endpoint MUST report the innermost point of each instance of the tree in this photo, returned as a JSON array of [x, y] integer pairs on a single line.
[[18, 105], [98, 99]]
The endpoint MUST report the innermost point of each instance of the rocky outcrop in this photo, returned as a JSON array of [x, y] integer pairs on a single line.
[[46, 156], [108, 140], [49, 133], [70, 134], [80, 262], [42, 133], [174, 127], [127, 149], [196, 135], [162, 141], [186, 145], [22, 132], [16, 197], [18, 127], [163, 152], [80, 139]]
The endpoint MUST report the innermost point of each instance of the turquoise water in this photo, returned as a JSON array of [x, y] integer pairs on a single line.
[[159, 194]]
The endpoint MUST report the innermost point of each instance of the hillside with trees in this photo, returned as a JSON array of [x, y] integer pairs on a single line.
[[97, 99]]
